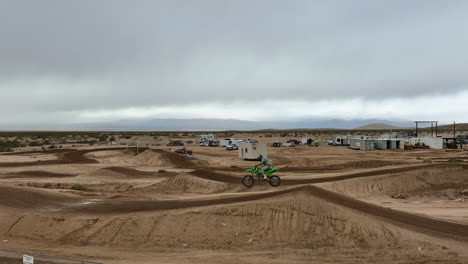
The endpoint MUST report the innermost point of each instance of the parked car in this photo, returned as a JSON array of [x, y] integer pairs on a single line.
[[175, 143], [295, 141], [232, 147], [183, 151], [462, 139], [289, 144], [214, 143], [189, 141], [276, 144]]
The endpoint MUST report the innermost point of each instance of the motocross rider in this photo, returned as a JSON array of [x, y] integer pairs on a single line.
[[266, 165]]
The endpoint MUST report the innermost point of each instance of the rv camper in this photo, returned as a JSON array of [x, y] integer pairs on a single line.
[[227, 141], [204, 138]]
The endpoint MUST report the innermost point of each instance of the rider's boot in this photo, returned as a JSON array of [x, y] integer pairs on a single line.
[[264, 176]]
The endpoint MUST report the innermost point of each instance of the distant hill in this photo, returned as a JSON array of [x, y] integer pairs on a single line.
[[377, 126], [458, 127]]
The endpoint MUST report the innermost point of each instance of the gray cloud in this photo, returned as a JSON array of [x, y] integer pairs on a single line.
[[60, 56]]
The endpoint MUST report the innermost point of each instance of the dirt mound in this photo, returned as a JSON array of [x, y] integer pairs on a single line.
[[156, 157], [441, 181], [307, 217], [189, 184], [177, 160], [150, 158], [35, 174]]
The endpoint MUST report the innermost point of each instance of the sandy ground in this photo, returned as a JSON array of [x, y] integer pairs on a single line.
[[334, 205]]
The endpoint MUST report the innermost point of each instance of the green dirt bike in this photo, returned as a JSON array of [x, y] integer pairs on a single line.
[[249, 181]]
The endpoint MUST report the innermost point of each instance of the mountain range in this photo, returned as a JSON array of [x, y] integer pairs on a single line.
[[210, 124]]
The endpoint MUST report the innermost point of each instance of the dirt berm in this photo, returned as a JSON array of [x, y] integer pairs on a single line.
[[67, 157]]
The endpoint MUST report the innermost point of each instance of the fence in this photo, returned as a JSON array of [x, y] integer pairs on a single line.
[[48, 256]]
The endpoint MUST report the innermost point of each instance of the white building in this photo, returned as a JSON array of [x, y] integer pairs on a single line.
[[390, 143], [250, 151], [431, 142]]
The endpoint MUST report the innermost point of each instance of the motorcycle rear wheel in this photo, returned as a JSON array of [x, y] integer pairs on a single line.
[[274, 181]]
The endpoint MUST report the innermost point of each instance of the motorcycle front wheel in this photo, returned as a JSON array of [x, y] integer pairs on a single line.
[[248, 181]]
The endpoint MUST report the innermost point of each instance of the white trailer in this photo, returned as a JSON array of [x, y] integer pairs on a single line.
[[250, 151], [340, 140], [227, 141]]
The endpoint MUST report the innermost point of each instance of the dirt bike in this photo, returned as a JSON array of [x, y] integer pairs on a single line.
[[249, 181]]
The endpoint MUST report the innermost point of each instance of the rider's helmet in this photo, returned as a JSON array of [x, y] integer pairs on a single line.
[[260, 157]]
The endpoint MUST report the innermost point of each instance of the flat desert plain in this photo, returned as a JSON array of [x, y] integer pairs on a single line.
[[151, 205]]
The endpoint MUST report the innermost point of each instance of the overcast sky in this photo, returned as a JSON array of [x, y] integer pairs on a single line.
[[90, 61]]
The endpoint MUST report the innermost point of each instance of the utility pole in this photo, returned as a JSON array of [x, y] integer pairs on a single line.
[[454, 134]]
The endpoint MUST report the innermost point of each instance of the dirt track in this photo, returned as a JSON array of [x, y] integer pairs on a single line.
[[132, 205], [17, 198]]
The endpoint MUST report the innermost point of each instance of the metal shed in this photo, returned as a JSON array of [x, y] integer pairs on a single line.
[[362, 144]]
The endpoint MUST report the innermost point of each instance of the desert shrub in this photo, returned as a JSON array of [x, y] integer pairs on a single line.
[[35, 143], [34, 184], [78, 187]]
